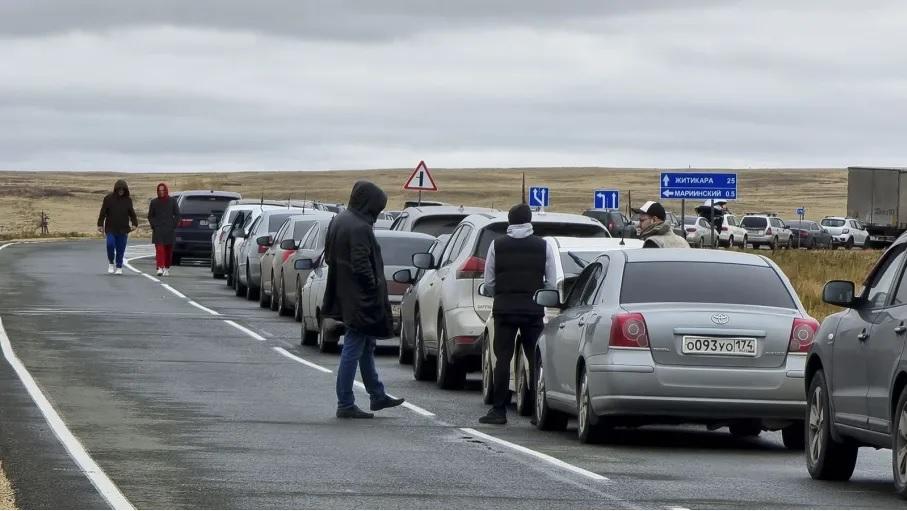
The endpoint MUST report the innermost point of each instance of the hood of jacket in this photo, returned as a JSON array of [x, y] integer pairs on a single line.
[[368, 200], [519, 231], [159, 185], [121, 184]]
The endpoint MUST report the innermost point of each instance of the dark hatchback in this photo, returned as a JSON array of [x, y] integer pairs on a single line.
[[617, 224], [200, 212]]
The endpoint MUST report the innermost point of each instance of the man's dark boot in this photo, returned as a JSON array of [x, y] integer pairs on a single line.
[[494, 417], [353, 412], [387, 402]]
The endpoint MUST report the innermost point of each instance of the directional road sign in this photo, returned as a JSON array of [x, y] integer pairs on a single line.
[[683, 185], [539, 197], [606, 199], [421, 180], [801, 211]]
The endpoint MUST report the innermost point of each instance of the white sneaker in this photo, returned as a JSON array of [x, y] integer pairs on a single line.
[[160, 272], [119, 271], [166, 272], [110, 268]]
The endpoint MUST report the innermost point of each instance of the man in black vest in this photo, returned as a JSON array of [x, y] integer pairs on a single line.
[[517, 266]]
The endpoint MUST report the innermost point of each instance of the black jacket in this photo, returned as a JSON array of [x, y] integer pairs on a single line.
[[519, 273], [117, 212], [356, 291], [163, 215]]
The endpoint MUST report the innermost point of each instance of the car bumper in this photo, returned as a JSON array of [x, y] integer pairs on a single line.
[[759, 238], [630, 383], [463, 329], [185, 247], [840, 239]]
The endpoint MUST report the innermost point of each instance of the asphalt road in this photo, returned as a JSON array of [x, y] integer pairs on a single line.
[[181, 409]]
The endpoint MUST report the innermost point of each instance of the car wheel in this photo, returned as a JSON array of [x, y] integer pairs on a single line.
[[282, 309], [523, 388], [730, 242], [297, 310], [214, 273], [309, 337], [487, 372], [849, 243], [756, 246], [826, 458], [230, 278], [773, 244], [546, 419], [811, 245], [405, 353], [790, 243], [423, 367], [899, 446], [274, 300], [590, 428], [448, 375], [238, 286], [327, 339], [794, 436], [746, 429]]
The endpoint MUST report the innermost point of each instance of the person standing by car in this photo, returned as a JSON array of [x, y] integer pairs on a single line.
[[356, 294], [113, 221], [517, 265], [653, 229], [163, 215]]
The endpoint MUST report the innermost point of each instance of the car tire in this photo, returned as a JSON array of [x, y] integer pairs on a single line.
[[849, 244], [730, 242], [274, 301], [746, 429], [282, 309], [252, 292], [309, 337], [773, 244], [264, 301], [794, 436], [423, 366], [448, 374], [899, 446], [590, 428], [756, 246], [238, 286], [230, 278], [297, 309], [327, 340], [546, 419], [826, 458], [743, 245], [524, 403], [405, 353], [487, 372], [215, 274], [176, 260]]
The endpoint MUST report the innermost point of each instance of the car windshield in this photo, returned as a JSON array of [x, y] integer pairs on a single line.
[[704, 282], [437, 225], [574, 261], [301, 228], [399, 251], [204, 205], [754, 222], [833, 222], [691, 220], [276, 220], [541, 229]]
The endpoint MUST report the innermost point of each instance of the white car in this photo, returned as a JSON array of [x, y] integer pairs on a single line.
[[732, 234], [698, 232], [221, 240], [767, 230], [575, 254], [450, 313], [845, 232]]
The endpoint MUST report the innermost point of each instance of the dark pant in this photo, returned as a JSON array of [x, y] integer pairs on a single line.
[[506, 328], [358, 351], [116, 248], [163, 254]]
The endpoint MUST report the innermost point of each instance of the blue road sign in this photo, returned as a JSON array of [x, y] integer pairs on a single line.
[[606, 199], [684, 185], [538, 197], [801, 211]]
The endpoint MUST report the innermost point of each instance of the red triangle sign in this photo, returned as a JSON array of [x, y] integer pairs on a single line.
[[421, 180]]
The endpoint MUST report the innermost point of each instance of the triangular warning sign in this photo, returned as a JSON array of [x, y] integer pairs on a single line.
[[421, 180]]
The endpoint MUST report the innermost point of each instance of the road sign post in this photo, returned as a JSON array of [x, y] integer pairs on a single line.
[[539, 197], [684, 185], [606, 199]]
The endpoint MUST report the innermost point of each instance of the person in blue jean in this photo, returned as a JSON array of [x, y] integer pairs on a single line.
[[356, 295], [114, 222]]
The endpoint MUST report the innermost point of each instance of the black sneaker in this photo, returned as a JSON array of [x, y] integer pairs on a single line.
[[387, 402], [494, 417], [353, 412]]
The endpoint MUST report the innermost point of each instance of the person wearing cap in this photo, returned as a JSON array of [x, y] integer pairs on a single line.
[[517, 265], [654, 232]]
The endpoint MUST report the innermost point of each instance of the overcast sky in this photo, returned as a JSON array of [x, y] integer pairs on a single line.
[[295, 85]]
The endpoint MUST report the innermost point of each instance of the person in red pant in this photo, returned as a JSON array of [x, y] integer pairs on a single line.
[[163, 215]]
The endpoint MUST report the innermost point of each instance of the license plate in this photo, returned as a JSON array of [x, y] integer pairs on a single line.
[[202, 222], [754, 231], [735, 346], [395, 310]]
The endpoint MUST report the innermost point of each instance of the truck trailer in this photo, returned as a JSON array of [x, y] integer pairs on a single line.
[[877, 197]]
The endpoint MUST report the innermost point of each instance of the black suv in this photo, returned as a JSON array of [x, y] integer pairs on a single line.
[[200, 212], [617, 224], [856, 373]]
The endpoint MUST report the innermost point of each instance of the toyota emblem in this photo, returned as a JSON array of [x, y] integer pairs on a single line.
[[720, 318]]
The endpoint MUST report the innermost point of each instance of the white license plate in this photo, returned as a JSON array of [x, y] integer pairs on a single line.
[[736, 346], [202, 222], [395, 310]]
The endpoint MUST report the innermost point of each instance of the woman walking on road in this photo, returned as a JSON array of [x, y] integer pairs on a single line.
[[163, 215], [113, 220]]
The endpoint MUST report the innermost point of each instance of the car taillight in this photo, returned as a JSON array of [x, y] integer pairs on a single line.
[[185, 222], [768, 231], [262, 249], [691, 229], [802, 335], [628, 330], [724, 228], [473, 268]]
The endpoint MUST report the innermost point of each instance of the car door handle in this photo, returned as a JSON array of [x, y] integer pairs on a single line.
[[863, 336], [562, 326]]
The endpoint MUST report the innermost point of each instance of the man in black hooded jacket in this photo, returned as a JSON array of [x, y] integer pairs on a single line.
[[356, 294], [113, 221]]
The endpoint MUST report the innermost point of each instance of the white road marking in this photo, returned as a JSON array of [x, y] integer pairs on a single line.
[[245, 330], [406, 404], [174, 291], [6, 245], [302, 360], [202, 307], [542, 456], [149, 277], [76, 450]]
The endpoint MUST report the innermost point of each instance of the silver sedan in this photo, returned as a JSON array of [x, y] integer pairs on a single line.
[[657, 336]]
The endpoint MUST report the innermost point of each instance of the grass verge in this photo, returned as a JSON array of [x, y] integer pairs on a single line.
[[6, 491]]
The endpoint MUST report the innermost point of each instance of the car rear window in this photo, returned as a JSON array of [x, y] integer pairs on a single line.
[[706, 282], [690, 220], [833, 222], [754, 222], [399, 251], [437, 225], [276, 220], [204, 205], [301, 228], [493, 231]]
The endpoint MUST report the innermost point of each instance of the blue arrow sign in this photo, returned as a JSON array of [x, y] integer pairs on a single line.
[[684, 185], [606, 199], [801, 211], [538, 197]]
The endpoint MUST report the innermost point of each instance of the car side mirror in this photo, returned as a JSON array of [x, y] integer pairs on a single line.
[[484, 291], [424, 261], [288, 245], [304, 264], [264, 241], [840, 293], [548, 298], [404, 277]]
